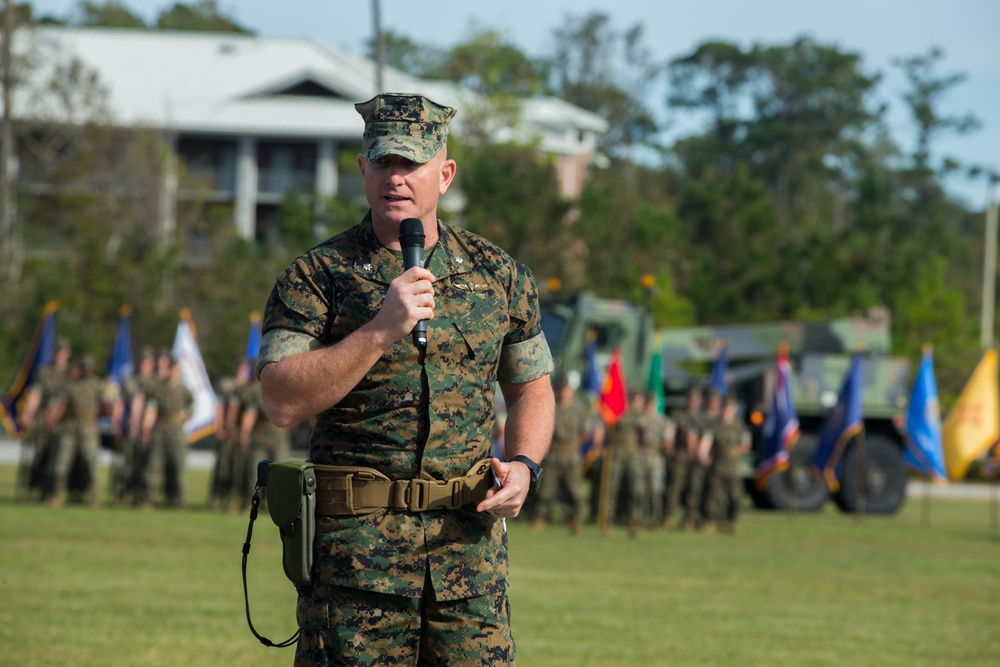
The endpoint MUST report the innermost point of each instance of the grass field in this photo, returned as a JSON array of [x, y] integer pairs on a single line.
[[117, 587]]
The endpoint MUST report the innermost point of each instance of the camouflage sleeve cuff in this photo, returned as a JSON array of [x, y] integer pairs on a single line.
[[278, 344], [525, 361]]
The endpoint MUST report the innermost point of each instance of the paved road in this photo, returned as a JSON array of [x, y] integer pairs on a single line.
[[204, 459]]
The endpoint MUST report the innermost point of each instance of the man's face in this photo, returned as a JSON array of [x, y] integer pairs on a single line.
[[397, 188]]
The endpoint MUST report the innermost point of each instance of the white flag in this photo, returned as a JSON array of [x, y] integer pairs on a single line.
[[195, 378]]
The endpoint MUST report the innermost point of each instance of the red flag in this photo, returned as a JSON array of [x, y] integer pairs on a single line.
[[613, 399]]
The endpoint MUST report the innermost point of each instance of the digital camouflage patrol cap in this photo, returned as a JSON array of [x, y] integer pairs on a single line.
[[403, 124]]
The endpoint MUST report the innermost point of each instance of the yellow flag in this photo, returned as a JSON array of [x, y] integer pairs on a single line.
[[973, 425]]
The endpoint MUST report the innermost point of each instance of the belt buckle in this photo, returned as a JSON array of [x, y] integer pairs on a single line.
[[418, 495]]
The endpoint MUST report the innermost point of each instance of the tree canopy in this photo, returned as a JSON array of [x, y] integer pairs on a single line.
[[790, 199]]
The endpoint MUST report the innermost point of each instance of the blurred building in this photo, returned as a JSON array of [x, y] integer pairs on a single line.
[[251, 118]]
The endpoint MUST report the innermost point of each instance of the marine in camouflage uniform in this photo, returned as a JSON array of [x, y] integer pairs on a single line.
[[76, 409], [622, 439], [730, 441], [229, 477], [396, 586], [688, 433], [562, 483], [133, 397], [654, 428], [258, 437], [35, 473], [167, 408], [696, 498]]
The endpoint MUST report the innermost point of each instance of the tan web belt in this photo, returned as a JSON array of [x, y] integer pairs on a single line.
[[350, 491]]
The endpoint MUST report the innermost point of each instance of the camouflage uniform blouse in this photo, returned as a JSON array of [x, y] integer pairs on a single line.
[[406, 419]]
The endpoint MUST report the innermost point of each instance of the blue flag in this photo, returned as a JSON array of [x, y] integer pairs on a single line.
[[253, 346], [844, 423], [720, 368], [781, 426], [41, 352], [120, 367], [592, 381], [924, 449]]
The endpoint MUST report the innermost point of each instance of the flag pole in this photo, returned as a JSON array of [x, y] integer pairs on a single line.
[[926, 515], [993, 502], [859, 442]]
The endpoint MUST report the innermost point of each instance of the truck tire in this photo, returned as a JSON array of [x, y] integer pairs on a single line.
[[884, 477], [810, 492]]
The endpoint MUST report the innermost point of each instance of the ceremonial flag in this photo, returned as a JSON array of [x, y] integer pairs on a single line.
[[120, 367], [924, 452], [991, 466], [613, 398], [844, 423], [720, 368], [253, 346], [781, 426], [40, 352], [973, 425], [592, 376], [185, 351], [654, 381], [253, 340]]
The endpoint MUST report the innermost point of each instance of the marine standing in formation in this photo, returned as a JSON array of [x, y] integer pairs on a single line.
[[36, 473], [688, 434], [231, 474], [75, 409], [621, 446], [423, 578], [167, 408], [730, 441], [563, 483], [655, 430]]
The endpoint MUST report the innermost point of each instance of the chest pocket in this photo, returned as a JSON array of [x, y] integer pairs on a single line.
[[482, 320], [355, 309]]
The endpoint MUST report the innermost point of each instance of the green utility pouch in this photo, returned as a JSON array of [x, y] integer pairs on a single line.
[[291, 502]]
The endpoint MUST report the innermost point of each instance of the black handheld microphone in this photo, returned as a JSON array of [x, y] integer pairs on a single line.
[[411, 240]]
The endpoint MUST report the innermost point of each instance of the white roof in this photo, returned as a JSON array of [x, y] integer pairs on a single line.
[[233, 84]]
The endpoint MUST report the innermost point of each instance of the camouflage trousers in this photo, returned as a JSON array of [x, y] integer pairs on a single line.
[[562, 484], [725, 492], [75, 438], [680, 465], [695, 502], [625, 470], [343, 627], [652, 483]]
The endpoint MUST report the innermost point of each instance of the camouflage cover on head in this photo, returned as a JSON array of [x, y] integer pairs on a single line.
[[403, 124]]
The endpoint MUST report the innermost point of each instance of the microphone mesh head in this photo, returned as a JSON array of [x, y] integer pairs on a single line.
[[411, 233]]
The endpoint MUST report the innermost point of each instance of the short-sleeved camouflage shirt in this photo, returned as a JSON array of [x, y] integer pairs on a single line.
[[406, 419]]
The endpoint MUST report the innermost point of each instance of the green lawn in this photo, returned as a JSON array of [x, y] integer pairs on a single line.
[[118, 587]]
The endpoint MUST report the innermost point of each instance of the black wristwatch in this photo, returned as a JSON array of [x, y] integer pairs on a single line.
[[533, 468]]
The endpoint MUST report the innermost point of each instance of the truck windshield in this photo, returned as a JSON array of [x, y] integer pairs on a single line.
[[553, 327]]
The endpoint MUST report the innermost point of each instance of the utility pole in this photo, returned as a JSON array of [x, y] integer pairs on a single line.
[[6, 131], [986, 339], [10, 243], [379, 47]]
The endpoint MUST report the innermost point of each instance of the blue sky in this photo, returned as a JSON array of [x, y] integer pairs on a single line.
[[968, 31]]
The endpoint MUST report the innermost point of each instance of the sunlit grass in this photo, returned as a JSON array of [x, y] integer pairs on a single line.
[[114, 586]]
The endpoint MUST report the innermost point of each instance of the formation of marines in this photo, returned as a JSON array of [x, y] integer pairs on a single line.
[[654, 470], [647, 470], [146, 414]]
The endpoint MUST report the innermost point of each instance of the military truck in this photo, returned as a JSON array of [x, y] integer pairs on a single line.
[[873, 480]]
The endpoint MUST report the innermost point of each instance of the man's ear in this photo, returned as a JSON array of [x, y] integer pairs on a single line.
[[448, 169]]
